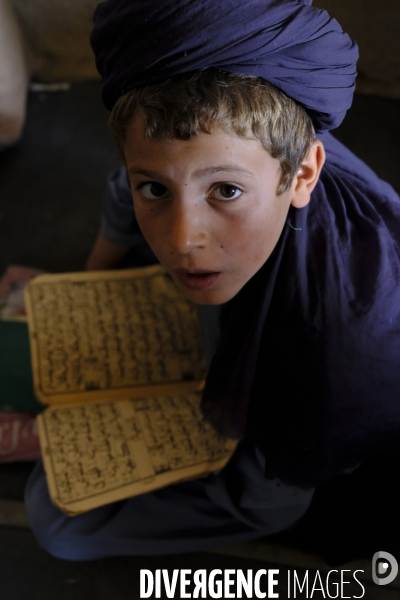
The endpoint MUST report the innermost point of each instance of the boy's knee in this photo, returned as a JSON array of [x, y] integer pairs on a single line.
[[48, 524], [60, 535], [40, 515]]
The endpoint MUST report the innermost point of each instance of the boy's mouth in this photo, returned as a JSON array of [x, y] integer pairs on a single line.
[[197, 279]]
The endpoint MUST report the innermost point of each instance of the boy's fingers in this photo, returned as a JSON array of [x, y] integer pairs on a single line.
[[15, 273]]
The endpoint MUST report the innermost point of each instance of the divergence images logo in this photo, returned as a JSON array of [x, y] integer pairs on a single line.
[[385, 564]]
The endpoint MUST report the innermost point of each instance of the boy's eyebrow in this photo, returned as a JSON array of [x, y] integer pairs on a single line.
[[229, 168], [135, 171]]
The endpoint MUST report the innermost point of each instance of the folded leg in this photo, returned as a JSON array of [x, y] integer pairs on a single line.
[[236, 505]]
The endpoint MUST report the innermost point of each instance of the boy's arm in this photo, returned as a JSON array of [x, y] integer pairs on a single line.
[[105, 255], [119, 229]]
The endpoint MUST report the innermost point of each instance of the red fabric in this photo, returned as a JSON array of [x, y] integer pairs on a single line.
[[18, 437]]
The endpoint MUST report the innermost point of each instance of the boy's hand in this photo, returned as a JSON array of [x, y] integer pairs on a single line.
[[12, 284], [14, 275], [105, 255]]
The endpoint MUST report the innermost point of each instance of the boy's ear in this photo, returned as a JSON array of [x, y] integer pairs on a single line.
[[307, 176]]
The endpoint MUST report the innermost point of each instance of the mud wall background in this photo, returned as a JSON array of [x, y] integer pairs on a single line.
[[58, 33]]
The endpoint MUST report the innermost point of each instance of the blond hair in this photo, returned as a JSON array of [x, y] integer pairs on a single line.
[[248, 106]]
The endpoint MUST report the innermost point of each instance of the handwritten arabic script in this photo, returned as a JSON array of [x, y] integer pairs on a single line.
[[95, 448], [110, 333]]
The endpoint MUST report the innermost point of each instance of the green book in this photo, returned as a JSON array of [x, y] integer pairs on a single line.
[[16, 383]]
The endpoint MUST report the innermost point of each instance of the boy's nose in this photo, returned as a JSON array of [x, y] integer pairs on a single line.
[[188, 230]]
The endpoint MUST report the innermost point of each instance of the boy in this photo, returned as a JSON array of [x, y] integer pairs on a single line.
[[289, 243]]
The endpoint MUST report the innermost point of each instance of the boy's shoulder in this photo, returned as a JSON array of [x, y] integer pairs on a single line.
[[353, 170], [343, 253]]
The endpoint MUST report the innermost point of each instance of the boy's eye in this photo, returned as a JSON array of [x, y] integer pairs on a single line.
[[226, 191], [153, 190]]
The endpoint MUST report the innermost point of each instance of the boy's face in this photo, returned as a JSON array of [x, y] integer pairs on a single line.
[[207, 207]]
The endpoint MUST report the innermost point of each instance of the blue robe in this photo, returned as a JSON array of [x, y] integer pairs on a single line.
[[310, 372]]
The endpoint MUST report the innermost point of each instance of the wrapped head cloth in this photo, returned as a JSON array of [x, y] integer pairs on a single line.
[[294, 46]]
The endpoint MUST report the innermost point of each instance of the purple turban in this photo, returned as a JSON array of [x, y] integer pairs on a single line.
[[294, 46]]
